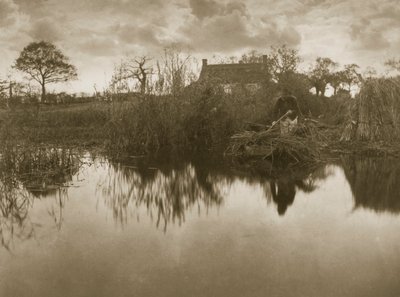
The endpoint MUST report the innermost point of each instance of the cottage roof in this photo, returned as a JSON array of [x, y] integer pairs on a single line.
[[234, 73]]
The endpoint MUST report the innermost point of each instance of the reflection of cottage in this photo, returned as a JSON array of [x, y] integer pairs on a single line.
[[249, 77]]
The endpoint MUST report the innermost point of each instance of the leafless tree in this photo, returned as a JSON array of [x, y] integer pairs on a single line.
[[137, 69], [177, 70], [393, 64]]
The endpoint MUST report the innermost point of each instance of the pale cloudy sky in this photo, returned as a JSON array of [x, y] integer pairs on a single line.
[[95, 34]]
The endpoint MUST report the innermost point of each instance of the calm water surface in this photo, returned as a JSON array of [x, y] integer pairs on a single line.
[[95, 227]]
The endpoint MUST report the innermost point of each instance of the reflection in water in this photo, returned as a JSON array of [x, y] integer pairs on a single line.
[[281, 186], [41, 170], [283, 189], [168, 192], [14, 220], [316, 249], [374, 182], [26, 175]]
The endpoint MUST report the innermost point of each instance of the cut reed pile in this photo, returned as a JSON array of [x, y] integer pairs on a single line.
[[375, 113], [302, 145]]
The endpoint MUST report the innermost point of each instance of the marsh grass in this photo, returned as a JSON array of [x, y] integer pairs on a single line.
[[198, 118], [80, 125]]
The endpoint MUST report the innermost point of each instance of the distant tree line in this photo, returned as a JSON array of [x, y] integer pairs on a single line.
[[43, 63]]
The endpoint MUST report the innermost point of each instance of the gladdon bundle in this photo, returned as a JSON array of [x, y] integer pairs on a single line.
[[302, 145], [375, 112]]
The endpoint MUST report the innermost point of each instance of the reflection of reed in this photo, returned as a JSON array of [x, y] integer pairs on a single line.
[[41, 170], [14, 208], [375, 183], [167, 195], [26, 174]]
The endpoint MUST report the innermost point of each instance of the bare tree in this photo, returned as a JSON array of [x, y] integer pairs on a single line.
[[7, 89], [177, 70], [393, 64], [137, 69]]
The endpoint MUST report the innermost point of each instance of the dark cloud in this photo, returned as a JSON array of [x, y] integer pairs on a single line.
[[46, 29], [231, 32], [205, 8], [236, 6], [209, 8], [367, 36], [7, 12], [98, 46], [389, 10], [96, 33], [144, 36]]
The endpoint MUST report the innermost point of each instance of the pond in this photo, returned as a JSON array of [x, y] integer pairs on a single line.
[[83, 225]]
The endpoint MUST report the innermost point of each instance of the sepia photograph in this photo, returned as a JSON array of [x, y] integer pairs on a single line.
[[199, 148]]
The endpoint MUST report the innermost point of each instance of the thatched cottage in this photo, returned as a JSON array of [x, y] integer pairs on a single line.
[[231, 77]]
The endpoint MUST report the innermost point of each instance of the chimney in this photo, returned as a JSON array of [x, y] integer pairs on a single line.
[[204, 62], [265, 59]]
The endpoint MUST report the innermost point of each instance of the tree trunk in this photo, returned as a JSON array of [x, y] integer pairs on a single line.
[[143, 83], [317, 91], [43, 98], [10, 95]]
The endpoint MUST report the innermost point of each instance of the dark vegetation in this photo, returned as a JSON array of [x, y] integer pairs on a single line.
[[197, 119], [152, 106]]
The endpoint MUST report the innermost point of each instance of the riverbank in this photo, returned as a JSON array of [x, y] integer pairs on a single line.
[[175, 124]]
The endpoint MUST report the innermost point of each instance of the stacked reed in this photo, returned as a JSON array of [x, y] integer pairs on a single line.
[[302, 145], [375, 112]]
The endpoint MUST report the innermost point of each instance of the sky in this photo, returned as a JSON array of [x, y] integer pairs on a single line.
[[97, 34]]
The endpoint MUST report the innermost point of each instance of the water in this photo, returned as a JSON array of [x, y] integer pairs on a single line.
[[196, 228]]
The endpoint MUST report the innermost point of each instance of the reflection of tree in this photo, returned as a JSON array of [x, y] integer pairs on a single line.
[[167, 193], [281, 185], [172, 189], [374, 182], [283, 189], [283, 193], [26, 174]]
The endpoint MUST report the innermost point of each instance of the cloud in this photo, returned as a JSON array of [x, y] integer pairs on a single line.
[[98, 46], [8, 11], [367, 36], [96, 33], [46, 29], [141, 35], [205, 8], [233, 30], [209, 8]]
